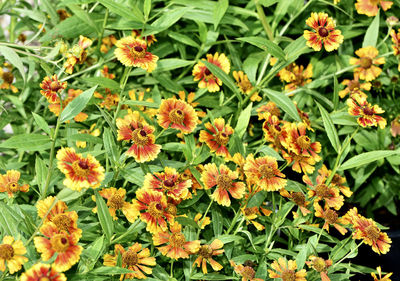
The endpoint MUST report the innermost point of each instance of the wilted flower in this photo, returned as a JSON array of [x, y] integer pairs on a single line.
[[7, 79], [246, 272], [245, 86], [78, 54], [320, 265], [370, 7], [395, 126]]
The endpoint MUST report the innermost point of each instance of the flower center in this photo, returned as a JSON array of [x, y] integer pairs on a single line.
[[319, 264], [248, 273], [139, 137], [62, 221], [266, 171], [8, 77], [171, 209], [368, 110], [12, 187], [323, 32], [222, 139], [6, 251], [138, 52], [169, 184], [354, 85], [205, 251], [249, 211], [331, 216], [224, 182], [116, 201], [298, 198], [303, 142], [372, 232], [130, 258], [176, 240], [59, 243], [365, 62], [176, 116], [336, 180], [138, 49], [81, 168], [207, 72], [322, 190], [155, 209], [288, 275]]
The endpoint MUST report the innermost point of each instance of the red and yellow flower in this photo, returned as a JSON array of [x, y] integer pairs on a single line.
[[379, 271], [320, 265], [134, 129], [354, 87], [298, 198], [40, 272], [136, 258], [207, 79], [273, 131], [206, 253], [11, 254], [331, 218], [359, 106], [270, 107], [189, 98], [324, 33], [218, 139], [224, 180], [264, 172], [370, 7], [131, 51], [367, 63], [202, 222], [51, 87], [176, 245], [245, 86], [296, 76], [245, 271], [286, 270], [80, 172], [9, 183]]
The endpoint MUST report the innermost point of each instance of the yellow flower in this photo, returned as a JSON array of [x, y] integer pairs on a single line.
[[245, 85], [11, 254], [367, 63]]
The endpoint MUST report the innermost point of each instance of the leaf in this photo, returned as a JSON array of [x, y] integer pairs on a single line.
[[266, 45], [77, 105], [211, 276], [108, 270], [147, 8], [110, 145], [85, 137], [284, 102], [367, 157], [10, 55], [84, 16], [141, 103], [7, 222], [48, 7], [183, 39], [164, 65], [266, 150], [122, 10], [217, 221], [187, 222], [371, 36], [329, 127], [102, 81], [41, 173], [31, 142], [165, 21], [41, 123], [105, 218], [243, 121], [219, 11]]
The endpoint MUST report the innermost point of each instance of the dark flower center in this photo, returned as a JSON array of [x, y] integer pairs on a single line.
[[322, 190], [169, 183], [139, 137], [138, 49], [12, 187], [365, 62], [176, 240], [303, 142], [8, 77], [155, 210], [299, 198], [130, 258], [222, 139], [207, 72], [81, 168], [205, 251], [368, 111], [354, 85], [224, 182], [266, 171], [62, 221], [59, 243], [116, 202], [6, 252], [319, 264], [176, 116], [331, 216], [372, 232], [143, 133], [323, 32]]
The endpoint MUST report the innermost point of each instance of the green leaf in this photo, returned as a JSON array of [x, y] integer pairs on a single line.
[[329, 127], [212, 276], [371, 36], [41, 173], [217, 221], [48, 7], [266, 45], [187, 222], [109, 145], [108, 270], [102, 82], [183, 39], [84, 16], [164, 65], [31, 142], [367, 157], [284, 102], [141, 103], [132, 13], [41, 123], [7, 222], [219, 11], [105, 218], [243, 121], [85, 137], [77, 105], [10, 55], [146, 8], [266, 150], [166, 20]]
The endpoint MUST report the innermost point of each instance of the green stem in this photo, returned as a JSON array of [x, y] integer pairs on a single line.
[[348, 254], [102, 30], [4, 274], [172, 269], [162, 131], [386, 37], [233, 222], [264, 21], [204, 216]]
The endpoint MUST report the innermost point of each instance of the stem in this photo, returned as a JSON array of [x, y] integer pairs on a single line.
[[4, 274], [352, 250], [233, 222], [102, 30], [264, 22], [386, 37], [204, 216], [263, 69], [283, 30], [162, 131], [172, 269]]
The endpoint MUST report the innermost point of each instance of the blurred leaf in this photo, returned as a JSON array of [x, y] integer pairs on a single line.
[[146, 8], [167, 19], [164, 65], [183, 39], [77, 105], [10, 55], [41, 173], [102, 82], [110, 270], [85, 137], [266, 45], [104, 216], [30, 142], [367, 157], [110, 146], [371, 36], [187, 222], [212, 276], [84, 16], [131, 13], [330, 128]]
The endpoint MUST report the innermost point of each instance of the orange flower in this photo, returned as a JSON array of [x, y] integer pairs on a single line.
[[152, 207], [133, 52], [107, 43], [190, 100], [177, 114], [396, 41], [286, 270], [202, 222], [384, 278], [80, 172], [51, 86], [134, 129], [11, 254], [354, 87], [367, 62], [320, 265], [246, 272], [58, 243], [298, 198], [359, 106], [239, 160], [176, 245], [9, 183], [206, 253], [105, 73], [109, 101], [245, 86], [269, 107], [370, 7], [301, 163], [135, 258], [219, 137], [273, 131], [150, 39], [40, 272], [251, 213], [7, 79], [296, 76], [330, 217], [324, 33], [168, 182], [77, 54], [338, 181], [224, 182], [207, 79], [264, 172]]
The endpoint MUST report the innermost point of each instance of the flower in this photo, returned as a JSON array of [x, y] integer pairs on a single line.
[[107, 43], [136, 258], [396, 41], [207, 79], [109, 101], [354, 86], [7, 78], [370, 7], [77, 54], [202, 222], [206, 253], [320, 265], [245, 86], [324, 33], [116, 201], [40, 272], [105, 73], [177, 114], [359, 106], [247, 272], [286, 270], [264, 172], [395, 126], [133, 52], [150, 39], [11, 254], [63, 14], [137, 95], [60, 243], [330, 217], [152, 207], [367, 63], [270, 107], [176, 245], [384, 278], [298, 198], [338, 181], [80, 172], [91, 131], [296, 76], [51, 87], [251, 213], [134, 129], [168, 182], [224, 182], [274, 133], [219, 137], [189, 98], [301, 163], [9, 183]]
